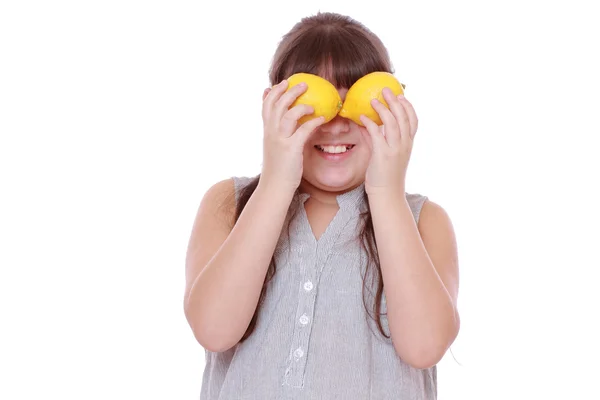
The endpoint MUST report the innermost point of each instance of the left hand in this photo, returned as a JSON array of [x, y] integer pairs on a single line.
[[391, 143]]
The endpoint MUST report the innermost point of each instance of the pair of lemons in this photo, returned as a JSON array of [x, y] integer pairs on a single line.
[[326, 101]]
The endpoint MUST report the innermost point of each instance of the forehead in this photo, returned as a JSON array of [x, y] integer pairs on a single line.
[[342, 92], [327, 73]]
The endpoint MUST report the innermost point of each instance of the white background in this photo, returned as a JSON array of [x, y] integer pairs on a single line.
[[116, 116]]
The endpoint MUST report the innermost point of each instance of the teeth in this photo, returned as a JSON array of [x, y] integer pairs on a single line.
[[334, 149]]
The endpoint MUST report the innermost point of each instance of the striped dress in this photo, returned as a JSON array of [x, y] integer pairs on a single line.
[[313, 337]]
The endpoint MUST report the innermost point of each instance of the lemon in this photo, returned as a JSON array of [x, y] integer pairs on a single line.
[[320, 94], [369, 87]]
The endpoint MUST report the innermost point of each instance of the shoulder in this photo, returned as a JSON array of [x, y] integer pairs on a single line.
[[227, 189], [220, 190], [416, 202], [433, 221], [219, 201], [241, 183], [427, 211], [438, 235], [433, 215], [437, 232], [221, 198], [433, 218]]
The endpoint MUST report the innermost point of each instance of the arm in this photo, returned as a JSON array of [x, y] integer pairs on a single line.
[[226, 266], [420, 273]]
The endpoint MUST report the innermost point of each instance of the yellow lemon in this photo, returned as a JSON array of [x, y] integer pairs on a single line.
[[320, 94], [369, 87]]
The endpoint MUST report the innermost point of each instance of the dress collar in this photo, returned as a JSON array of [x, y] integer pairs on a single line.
[[351, 199]]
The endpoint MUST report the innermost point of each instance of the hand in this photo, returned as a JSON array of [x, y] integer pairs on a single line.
[[284, 141], [391, 143]]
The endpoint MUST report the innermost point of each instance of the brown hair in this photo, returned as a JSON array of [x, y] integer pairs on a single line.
[[343, 50]]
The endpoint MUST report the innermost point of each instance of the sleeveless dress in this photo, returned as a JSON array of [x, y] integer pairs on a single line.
[[313, 338]]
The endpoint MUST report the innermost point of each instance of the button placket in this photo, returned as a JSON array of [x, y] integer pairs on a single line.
[[302, 327], [294, 373], [310, 273], [304, 319]]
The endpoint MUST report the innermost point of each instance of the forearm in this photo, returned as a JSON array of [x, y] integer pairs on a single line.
[[421, 313], [224, 296]]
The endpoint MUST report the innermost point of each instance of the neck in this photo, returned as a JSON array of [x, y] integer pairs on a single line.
[[323, 196]]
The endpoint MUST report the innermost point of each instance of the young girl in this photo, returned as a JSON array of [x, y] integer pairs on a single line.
[[321, 278]]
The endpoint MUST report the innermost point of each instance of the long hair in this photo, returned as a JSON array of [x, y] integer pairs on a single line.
[[344, 50]]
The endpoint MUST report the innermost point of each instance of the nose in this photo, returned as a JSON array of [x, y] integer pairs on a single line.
[[336, 126]]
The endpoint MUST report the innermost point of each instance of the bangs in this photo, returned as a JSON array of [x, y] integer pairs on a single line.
[[341, 55]]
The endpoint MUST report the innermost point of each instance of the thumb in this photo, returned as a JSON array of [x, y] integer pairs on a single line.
[[306, 129], [377, 138], [368, 140]]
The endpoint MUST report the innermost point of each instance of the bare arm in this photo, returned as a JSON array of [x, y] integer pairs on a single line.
[[226, 266], [419, 266]]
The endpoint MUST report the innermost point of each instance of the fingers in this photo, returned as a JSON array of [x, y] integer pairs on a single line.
[[367, 136], [306, 129], [388, 116], [288, 98], [377, 137], [412, 115], [279, 99], [398, 111], [273, 96], [291, 117]]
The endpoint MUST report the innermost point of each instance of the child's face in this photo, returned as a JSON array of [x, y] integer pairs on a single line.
[[326, 168]]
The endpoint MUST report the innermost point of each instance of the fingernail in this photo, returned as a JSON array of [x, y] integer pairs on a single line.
[[400, 97]]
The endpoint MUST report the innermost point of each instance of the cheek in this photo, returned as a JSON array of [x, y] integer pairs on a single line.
[[364, 155], [308, 150]]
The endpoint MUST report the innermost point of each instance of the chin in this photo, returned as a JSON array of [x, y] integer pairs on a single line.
[[334, 180]]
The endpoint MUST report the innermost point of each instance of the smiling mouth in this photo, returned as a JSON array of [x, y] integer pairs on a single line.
[[334, 149]]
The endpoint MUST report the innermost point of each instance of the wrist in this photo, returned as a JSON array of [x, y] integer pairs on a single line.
[[277, 192], [386, 204], [385, 192]]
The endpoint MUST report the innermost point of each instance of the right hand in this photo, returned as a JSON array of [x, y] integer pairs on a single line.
[[284, 141]]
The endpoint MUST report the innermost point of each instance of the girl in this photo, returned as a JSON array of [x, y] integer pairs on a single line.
[[321, 278]]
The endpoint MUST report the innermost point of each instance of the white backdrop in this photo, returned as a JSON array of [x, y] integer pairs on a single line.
[[116, 116]]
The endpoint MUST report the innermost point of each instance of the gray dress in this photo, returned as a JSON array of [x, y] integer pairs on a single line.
[[313, 338]]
